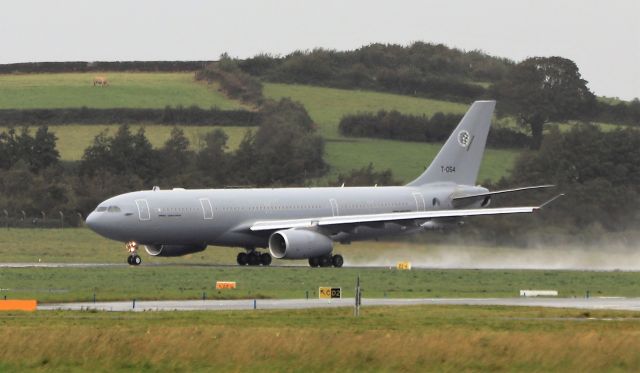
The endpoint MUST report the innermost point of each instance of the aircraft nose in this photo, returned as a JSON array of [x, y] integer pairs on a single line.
[[92, 221]]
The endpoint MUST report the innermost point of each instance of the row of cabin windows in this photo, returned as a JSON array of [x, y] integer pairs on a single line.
[[374, 204], [178, 209], [264, 208]]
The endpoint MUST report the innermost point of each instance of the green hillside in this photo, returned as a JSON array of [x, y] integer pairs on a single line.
[[406, 159], [155, 90], [328, 105], [126, 90]]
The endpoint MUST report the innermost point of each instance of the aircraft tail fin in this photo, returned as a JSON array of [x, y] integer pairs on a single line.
[[459, 159]]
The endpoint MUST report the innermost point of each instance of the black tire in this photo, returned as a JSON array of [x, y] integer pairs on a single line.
[[337, 260], [265, 259], [136, 260], [314, 262], [242, 259], [325, 261], [130, 260], [254, 259]]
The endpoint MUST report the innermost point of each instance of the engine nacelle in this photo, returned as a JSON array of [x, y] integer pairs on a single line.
[[173, 250], [299, 244]]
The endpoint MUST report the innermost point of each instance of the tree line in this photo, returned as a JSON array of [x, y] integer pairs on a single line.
[[436, 129], [420, 69], [85, 66], [191, 115]]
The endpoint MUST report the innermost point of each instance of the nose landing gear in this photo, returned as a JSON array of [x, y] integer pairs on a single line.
[[133, 259]]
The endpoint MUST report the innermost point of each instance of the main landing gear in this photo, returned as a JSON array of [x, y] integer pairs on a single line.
[[253, 258], [133, 259], [327, 261]]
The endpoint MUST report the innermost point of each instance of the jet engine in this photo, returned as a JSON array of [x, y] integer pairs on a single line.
[[173, 250], [299, 244]]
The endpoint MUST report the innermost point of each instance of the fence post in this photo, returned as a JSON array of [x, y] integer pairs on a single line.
[[6, 218], [61, 219]]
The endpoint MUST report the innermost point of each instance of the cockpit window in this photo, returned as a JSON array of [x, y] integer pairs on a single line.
[[101, 209], [113, 209]]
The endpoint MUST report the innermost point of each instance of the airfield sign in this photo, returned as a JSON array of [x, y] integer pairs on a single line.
[[326, 292]]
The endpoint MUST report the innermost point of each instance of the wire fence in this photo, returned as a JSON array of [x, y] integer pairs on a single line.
[[58, 219]]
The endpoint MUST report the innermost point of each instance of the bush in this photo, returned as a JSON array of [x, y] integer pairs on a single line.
[[396, 126], [169, 115]]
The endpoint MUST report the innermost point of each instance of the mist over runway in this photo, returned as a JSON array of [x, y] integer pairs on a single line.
[[611, 257]]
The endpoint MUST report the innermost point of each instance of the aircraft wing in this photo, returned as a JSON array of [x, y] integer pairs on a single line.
[[269, 225]]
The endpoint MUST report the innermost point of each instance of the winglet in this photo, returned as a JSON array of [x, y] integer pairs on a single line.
[[549, 201]]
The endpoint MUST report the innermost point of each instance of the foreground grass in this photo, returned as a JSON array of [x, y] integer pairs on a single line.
[[126, 90], [424, 338], [74, 139]]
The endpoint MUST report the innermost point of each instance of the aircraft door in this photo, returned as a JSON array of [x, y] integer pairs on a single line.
[[334, 207], [207, 209], [143, 209], [420, 205]]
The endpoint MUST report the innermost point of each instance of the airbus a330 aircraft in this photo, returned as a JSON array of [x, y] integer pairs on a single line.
[[303, 223]]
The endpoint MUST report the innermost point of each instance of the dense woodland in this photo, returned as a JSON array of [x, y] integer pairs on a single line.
[[598, 170]]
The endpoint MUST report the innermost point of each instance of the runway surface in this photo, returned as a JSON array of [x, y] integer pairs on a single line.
[[629, 304], [59, 265]]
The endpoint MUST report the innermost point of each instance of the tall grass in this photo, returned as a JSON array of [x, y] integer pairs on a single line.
[[424, 338]]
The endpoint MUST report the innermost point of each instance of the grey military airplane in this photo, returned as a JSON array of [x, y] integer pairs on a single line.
[[303, 223]]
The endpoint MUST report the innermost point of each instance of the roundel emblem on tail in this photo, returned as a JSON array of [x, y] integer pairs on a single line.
[[464, 138]]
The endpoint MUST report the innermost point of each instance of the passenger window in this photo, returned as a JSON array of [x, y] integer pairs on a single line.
[[101, 209]]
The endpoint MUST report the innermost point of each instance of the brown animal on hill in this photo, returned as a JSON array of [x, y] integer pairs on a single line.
[[101, 81]]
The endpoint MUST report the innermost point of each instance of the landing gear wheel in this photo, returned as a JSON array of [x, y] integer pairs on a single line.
[[265, 259], [242, 259], [337, 260], [314, 262], [254, 259], [133, 258], [325, 261]]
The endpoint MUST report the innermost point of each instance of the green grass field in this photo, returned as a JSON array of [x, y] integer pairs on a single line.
[[407, 160], [191, 281], [406, 339], [126, 90], [75, 138], [328, 105]]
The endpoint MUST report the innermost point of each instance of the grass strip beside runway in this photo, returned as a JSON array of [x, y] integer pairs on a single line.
[[425, 338]]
